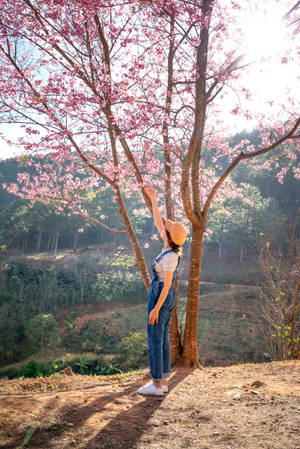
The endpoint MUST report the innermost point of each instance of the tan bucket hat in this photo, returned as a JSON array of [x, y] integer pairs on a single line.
[[177, 231]]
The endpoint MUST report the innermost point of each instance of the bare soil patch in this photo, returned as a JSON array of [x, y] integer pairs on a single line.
[[241, 406]]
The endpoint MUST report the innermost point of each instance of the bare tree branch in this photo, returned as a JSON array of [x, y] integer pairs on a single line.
[[242, 156]]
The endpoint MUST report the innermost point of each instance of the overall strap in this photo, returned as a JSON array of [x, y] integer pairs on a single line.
[[175, 271], [178, 262], [162, 254]]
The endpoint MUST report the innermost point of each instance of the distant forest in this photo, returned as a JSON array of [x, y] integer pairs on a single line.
[[36, 301], [39, 228]]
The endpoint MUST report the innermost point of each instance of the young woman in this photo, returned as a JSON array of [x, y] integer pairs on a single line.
[[161, 299]]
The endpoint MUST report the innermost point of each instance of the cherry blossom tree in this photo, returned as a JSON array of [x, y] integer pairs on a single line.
[[118, 94]]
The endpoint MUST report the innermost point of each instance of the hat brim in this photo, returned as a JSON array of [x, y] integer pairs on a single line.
[[177, 232]]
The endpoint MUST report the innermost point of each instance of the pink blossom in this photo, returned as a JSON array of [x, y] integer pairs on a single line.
[[110, 124]]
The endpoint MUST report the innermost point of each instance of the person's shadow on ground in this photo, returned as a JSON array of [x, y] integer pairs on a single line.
[[123, 431], [126, 429]]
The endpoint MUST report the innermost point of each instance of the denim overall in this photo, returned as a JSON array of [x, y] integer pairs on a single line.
[[158, 334]]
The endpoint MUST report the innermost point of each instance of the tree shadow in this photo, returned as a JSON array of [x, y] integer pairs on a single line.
[[125, 430], [121, 432], [65, 414]]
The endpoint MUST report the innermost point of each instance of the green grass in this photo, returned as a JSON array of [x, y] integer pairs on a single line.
[[227, 329], [102, 335], [227, 326]]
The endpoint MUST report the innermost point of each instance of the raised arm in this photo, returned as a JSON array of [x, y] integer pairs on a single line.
[[158, 221]]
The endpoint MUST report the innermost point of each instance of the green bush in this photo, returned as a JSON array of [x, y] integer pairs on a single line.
[[10, 373], [25, 289], [118, 286], [94, 365], [132, 351], [42, 330], [80, 365], [31, 369]]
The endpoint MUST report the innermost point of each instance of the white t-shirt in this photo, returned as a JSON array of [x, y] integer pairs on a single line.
[[168, 262]]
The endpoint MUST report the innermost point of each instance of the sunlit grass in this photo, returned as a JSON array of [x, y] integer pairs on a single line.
[[123, 261], [225, 293]]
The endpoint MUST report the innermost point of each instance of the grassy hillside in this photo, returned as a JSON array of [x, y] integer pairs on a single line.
[[106, 333]]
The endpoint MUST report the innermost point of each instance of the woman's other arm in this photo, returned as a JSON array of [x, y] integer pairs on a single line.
[[153, 315]]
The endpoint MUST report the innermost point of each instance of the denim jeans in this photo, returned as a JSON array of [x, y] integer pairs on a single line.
[[158, 334]]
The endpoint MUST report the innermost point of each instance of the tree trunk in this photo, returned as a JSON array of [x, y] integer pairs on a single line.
[[114, 245], [56, 239], [38, 242], [292, 323], [23, 243], [75, 240], [220, 251], [140, 260], [26, 241], [188, 253], [242, 254], [190, 353], [52, 243], [49, 243], [175, 334]]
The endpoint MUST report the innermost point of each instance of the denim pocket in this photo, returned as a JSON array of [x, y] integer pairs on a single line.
[[169, 301], [154, 292], [156, 288]]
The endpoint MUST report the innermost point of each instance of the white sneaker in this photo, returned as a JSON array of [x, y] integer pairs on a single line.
[[165, 388], [151, 389]]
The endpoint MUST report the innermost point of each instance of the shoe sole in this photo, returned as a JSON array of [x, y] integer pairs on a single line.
[[151, 394]]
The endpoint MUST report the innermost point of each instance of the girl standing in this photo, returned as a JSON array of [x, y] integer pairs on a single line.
[[161, 299]]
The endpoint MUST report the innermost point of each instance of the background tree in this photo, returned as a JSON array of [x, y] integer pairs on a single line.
[[108, 91], [236, 222], [42, 330], [280, 259], [4, 212]]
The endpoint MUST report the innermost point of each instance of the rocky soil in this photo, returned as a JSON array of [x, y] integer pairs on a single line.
[[241, 406]]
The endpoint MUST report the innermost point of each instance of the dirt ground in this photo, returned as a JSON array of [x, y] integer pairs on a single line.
[[241, 406]]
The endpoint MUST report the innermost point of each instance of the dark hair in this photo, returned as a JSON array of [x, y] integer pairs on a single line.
[[175, 248]]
